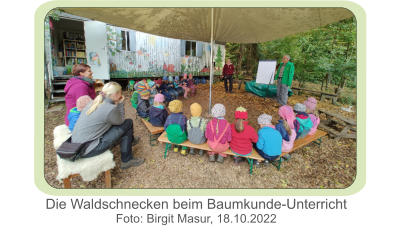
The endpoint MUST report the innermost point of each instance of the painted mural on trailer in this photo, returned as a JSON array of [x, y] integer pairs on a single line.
[[151, 55]]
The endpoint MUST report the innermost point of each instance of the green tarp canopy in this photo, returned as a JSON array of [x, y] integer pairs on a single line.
[[263, 90]]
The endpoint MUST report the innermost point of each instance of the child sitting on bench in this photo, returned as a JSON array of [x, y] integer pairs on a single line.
[[175, 125], [75, 112], [196, 127], [243, 135], [302, 123], [311, 104], [269, 139], [158, 113], [218, 134], [184, 85], [191, 85], [143, 107], [286, 128]]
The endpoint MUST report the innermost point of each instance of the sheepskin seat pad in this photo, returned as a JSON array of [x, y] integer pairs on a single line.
[[87, 168]]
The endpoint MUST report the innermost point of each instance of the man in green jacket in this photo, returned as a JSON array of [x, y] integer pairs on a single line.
[[284, 76]]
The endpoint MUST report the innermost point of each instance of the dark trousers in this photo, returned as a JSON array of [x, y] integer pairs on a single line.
[[264, 155], [230, 79], [123, 133]]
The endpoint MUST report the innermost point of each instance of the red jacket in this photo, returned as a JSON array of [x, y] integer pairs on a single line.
[[228, 70], [242, 142]]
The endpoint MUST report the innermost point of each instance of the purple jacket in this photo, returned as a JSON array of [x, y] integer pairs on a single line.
[[74, 89]]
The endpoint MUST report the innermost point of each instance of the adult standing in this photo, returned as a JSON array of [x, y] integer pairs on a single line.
[[80, 84], [227, 73], [102, 125], [284, 76]]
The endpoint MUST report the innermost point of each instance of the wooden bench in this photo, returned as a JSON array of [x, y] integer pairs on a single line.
[[323, 95], [316, 138], [349, 125], [154, 131], [250, 159]]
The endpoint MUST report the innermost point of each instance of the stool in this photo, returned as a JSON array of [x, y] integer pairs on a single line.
[[87, 168]]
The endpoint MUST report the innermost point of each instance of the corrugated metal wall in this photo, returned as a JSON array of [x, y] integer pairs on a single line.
[[154, 56]]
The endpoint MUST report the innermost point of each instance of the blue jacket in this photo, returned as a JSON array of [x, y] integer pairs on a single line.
[[280, 127], [72, 117], [303, 124], [269, 141], [176, 118], [158, 116], [143, 108]]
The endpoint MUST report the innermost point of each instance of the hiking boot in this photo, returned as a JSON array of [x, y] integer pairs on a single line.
[[183, 152], [212, 158], [192, 151], [220, 159], [135, 141], [201, 152], [132, 163], [237, 160], [176, 149]]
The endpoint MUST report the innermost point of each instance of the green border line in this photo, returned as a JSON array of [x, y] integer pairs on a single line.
[[39, 101]]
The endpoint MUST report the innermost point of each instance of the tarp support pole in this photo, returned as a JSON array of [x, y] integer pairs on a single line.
[[211, 60]]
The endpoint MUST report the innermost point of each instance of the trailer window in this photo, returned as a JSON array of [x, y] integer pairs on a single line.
[[125, 41], [190, 48]]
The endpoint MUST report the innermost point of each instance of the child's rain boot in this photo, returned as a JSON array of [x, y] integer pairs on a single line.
[[183, 151], [176, 149], [238, 160], [212, 158], [201, 152], [220, 159], [192, 151]]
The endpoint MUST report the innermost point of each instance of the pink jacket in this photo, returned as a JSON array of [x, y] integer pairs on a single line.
[[74, 89], [210, 134], [288, 145], [315, 121]]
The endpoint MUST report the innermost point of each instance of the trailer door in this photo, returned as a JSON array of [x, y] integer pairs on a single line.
[[96, 49]]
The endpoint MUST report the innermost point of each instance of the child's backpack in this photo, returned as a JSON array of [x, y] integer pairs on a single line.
[[195, 134], [175, 134]]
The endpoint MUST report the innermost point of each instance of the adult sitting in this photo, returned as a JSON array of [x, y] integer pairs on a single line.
[[80, 84], [102, 125]]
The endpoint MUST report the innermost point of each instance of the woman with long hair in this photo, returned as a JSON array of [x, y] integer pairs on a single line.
[[102, 125]]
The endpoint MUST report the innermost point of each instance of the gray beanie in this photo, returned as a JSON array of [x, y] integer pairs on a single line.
[[218, 110], [265, 119], [299, 107]]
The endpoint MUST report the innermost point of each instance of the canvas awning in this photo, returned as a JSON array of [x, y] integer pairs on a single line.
[[219, 25], [238, 25]]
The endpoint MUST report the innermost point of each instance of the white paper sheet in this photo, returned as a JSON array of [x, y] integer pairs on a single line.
[[265, 74]]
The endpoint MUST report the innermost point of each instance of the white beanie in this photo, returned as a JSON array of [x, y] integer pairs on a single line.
[[265, 119]]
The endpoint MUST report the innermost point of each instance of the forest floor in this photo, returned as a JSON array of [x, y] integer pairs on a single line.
[[331, 165]]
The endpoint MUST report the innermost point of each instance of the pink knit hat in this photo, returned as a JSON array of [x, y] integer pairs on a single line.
[[82, 101], [286, 112], [159, 98], [311, 103]]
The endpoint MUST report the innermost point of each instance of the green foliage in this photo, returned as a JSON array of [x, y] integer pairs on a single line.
[[323, 55], [219, 57]]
